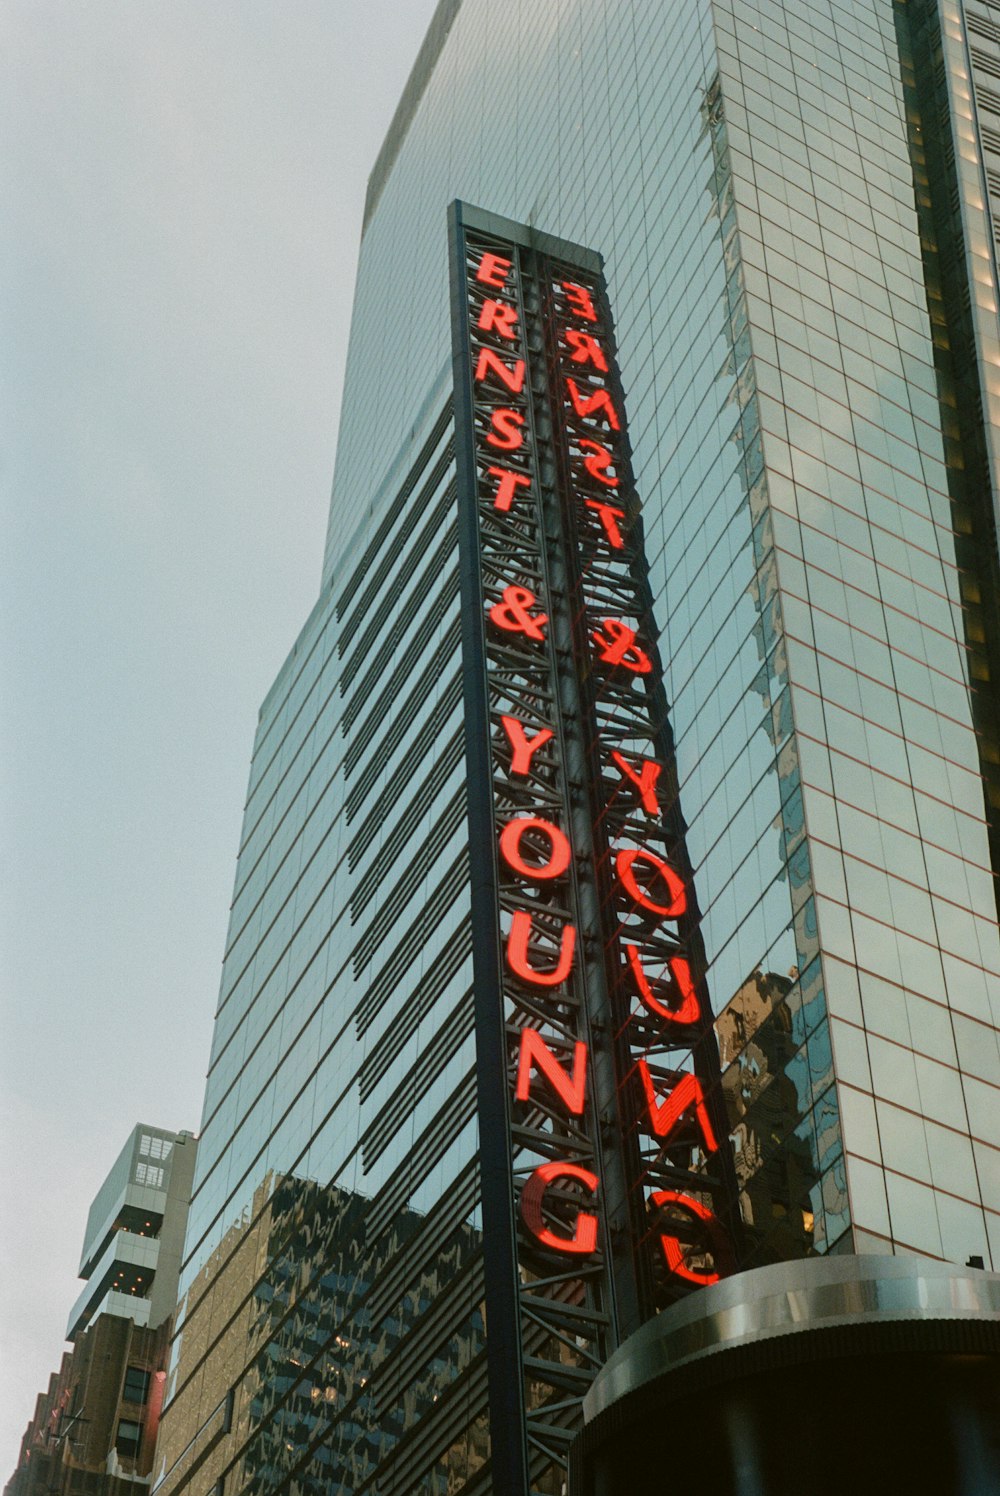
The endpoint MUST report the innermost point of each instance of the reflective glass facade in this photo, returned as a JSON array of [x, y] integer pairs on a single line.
[[793, 205]]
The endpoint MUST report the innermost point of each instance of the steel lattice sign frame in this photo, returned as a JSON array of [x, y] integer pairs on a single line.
[[608, 1183]]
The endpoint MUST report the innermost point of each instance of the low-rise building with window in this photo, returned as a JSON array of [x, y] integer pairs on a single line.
[[93, 1432]]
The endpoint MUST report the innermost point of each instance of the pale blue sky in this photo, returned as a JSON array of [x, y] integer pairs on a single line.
[[182, 184]]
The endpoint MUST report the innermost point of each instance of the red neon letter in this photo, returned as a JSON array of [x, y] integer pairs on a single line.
[[609, 517], [584, 1238], [498, 316], [598, 462], [513, 613], [490, 267], [524, 748], [587, 349], [672, 1249], [585, 405], [675, 887], [665, 1115], [689, 1009], [506, 432], [618, 647], [569, 1088], [517, 953], [507, 487], [644, 781], [488, 363], [510, 848], [580, 300]]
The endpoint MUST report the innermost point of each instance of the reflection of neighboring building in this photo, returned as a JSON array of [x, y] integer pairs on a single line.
[[199, 1432], [309, 1360], [94, 1429], [765, 1107]]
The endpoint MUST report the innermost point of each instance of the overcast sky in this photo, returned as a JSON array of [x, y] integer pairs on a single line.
[[182, 184]]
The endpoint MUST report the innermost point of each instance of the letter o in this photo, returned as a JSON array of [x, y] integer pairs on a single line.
[[675, 885], [510, 848]]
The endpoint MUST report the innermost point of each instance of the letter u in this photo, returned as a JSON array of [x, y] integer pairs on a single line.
[[517, 953]]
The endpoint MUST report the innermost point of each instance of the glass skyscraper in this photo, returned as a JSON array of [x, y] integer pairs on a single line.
[[794, 206]]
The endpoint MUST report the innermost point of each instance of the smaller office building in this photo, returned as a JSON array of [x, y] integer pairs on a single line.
[[135, 1232], [94, 1428]]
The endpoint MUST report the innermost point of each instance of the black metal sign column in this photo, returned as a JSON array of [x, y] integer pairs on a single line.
[[608, 1181], [509, 1461], [683, 1205], [536, 957]]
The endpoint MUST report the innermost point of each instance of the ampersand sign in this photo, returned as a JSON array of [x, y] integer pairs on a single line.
[[514, 614], [618, 647]]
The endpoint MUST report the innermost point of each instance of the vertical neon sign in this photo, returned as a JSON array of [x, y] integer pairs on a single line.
[[667, 1055], [600, 1140]]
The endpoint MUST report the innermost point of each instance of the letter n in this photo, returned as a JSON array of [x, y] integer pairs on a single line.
[[586, 405], [568, 1086], [664, 1116], [488, 363]]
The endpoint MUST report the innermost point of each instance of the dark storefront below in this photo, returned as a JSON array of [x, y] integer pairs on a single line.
[[859, 1375]]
